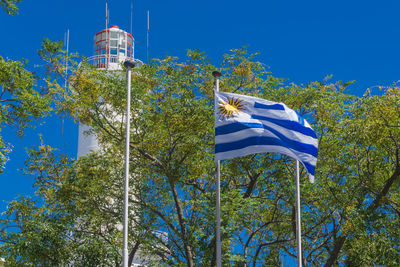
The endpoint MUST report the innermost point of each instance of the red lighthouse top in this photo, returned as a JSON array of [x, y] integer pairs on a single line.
[[111, 47]]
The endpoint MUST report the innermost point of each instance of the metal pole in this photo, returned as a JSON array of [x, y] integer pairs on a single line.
[[298, 218], [66, 60], [129, 65], [218, 226], [106, 16], [107, 39], [66, 74], [131, 14], [147, 39], [216, 75]]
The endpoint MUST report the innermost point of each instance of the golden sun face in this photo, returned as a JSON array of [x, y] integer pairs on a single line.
[[230, 108]]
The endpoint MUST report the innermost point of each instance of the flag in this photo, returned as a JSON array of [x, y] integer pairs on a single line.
[[246, 125]]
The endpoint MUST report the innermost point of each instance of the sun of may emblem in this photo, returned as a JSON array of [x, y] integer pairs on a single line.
[[230, 108]]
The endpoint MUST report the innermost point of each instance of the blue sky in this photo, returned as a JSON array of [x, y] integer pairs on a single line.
[[300, 40]]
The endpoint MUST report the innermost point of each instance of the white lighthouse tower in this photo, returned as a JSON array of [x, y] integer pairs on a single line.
[[112, 46]]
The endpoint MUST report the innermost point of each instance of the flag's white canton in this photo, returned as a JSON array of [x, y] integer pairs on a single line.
[[260, 126]]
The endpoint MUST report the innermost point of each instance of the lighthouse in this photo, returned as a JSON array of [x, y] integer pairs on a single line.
[[112, 46]]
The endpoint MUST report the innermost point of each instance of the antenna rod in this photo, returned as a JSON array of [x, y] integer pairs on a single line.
[[106, 15], [131, 15], [66, 60], [66, 75], [148, 29], [107, 61]]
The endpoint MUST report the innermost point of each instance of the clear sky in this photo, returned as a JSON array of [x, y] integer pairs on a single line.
[[300, 40]]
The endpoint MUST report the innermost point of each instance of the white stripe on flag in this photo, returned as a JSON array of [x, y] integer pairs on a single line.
[[246, 125]]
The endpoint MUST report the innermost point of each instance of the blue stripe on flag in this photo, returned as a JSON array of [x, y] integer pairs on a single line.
[[310, 168], [273, 107], [271, 141], [260, 140], [300, 118], [290, 125]]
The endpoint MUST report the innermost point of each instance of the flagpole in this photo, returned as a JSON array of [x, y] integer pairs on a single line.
[[298, 216], [217, 75], [129, 65]]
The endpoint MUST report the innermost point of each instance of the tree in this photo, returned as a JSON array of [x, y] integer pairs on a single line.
[[22, 101], [10, 6], [350, 215]]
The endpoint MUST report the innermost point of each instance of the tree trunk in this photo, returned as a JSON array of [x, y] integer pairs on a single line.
[[372, 207], [335, 252], [179, 210]]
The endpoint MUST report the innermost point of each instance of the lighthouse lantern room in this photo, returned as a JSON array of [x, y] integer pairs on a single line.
[[111, 47]]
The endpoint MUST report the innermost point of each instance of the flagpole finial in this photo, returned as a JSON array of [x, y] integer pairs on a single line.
[[216, 73]]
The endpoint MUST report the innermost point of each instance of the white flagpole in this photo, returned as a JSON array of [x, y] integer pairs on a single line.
[[129, 65], [216, 75], [298, 217]]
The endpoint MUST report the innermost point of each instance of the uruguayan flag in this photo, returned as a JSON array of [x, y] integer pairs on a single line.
[[246, 125]]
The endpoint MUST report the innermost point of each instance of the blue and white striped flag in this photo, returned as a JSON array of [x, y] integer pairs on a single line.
[[246, 125]]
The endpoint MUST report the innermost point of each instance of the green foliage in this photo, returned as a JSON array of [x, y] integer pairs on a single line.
[[24, 97], [21, 102], [349, 216], [10, 6], [71, 218]]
